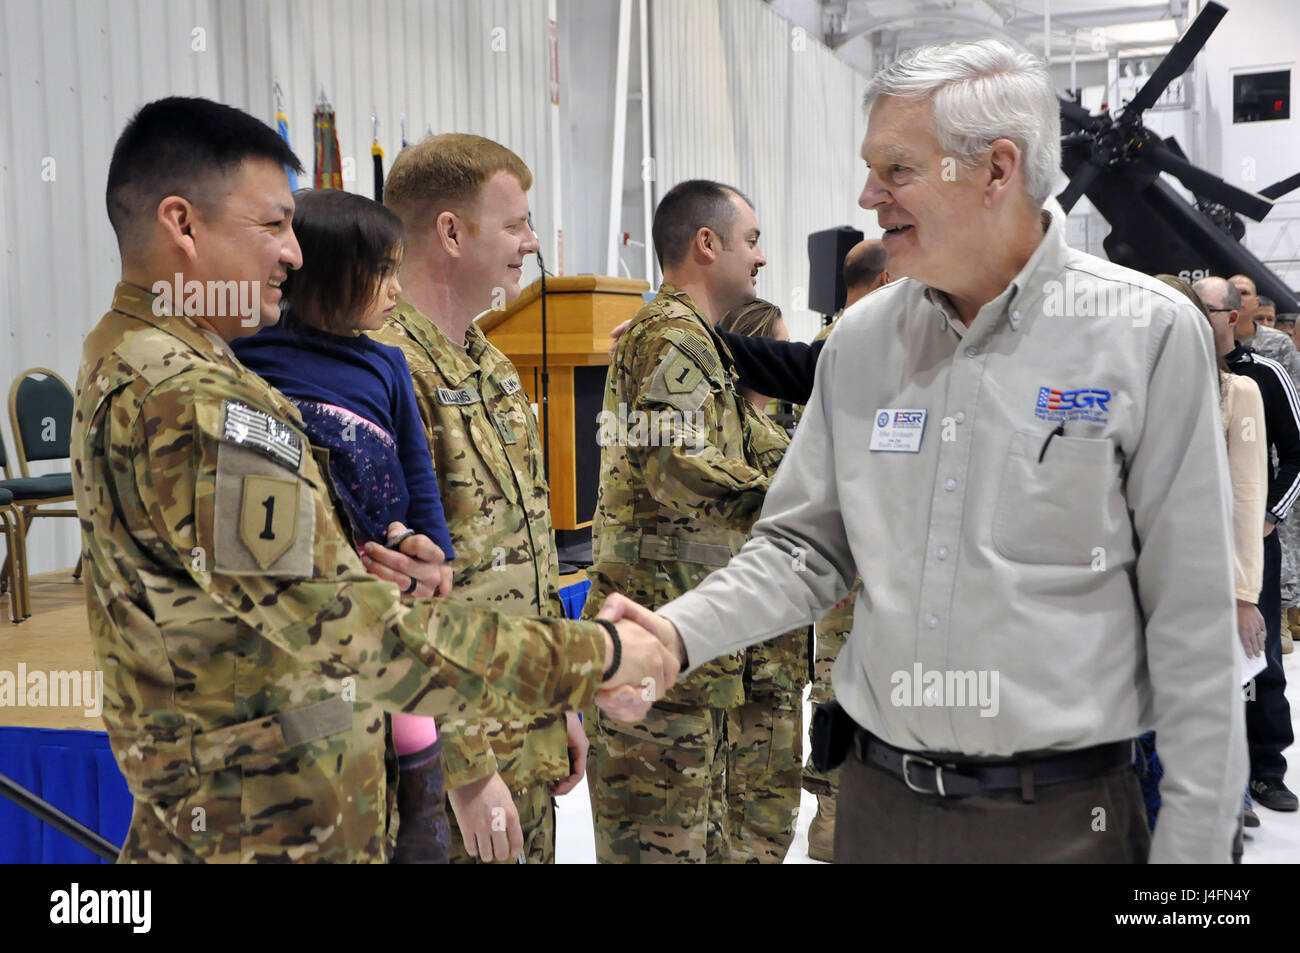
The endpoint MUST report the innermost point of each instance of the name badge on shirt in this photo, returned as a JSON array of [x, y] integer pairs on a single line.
[[898, 431]]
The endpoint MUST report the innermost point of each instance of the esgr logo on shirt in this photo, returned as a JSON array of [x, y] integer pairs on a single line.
[[908, 418], [1084, 403]]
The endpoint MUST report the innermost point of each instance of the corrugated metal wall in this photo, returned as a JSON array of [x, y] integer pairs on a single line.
[[740, 95], [73, 71]]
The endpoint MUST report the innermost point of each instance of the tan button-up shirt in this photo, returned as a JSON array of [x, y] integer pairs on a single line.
[[1052, 568]]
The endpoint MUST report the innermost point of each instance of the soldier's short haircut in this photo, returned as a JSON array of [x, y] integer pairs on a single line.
[[862, 267], [445, 173], [688, 207], [182, 146], [1266, 302], [1285, 320], [346, 240]]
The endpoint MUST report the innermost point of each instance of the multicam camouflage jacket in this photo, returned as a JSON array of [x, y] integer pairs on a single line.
[[488, 457], [248, 656], [780, 666], [677, 499]]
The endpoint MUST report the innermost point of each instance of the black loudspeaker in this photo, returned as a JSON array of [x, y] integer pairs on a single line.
[[826, 253]]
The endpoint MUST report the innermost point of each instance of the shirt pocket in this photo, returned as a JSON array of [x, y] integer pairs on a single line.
[[487, 443], [1066, 509]]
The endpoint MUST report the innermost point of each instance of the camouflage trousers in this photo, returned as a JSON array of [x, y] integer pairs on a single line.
[[764, 764], [658, 787], [1289, 537], [536, 810], [832, 632]]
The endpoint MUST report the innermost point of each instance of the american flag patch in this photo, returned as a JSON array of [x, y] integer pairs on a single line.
[[258, 429]]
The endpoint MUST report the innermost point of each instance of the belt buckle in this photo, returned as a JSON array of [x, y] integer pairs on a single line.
[[908, 759]]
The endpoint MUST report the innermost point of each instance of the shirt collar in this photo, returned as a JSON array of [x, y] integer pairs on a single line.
[[155, 310], [1043, 265], [452, 362], [719, 344]]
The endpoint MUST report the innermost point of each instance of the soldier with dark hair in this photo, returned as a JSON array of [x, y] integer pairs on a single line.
[[670, 510], [250, 656]]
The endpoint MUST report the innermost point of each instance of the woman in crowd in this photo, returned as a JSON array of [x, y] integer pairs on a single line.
[[765, 761]]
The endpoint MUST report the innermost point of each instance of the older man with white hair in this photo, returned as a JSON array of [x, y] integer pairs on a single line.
[[1019, 450]]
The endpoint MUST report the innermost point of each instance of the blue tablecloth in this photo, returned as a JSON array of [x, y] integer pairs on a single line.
[[75, 771]]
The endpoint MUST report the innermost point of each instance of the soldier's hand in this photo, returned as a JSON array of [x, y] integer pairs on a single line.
[[488, 820], [417, 559], [578, 744], [615, 335], [618, 606], [645, 672]]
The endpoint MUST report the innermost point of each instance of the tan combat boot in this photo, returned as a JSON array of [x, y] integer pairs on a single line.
[[821, 832], [1290, 628]]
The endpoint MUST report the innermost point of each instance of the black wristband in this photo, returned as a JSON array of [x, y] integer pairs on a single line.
[[618, 649]]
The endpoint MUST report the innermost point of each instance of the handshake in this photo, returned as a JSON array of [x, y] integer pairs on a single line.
[[652, 655]]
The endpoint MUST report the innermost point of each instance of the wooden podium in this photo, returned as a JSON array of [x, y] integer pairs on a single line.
[[581, 310]]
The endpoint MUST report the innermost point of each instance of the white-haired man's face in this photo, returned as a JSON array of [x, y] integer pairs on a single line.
[[928, 204]]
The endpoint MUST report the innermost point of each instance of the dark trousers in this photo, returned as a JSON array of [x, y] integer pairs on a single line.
[[1098, 820], [1268, 716]]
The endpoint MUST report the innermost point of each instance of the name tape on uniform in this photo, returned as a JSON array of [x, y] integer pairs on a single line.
[[510, 386], [897, 430], [460, 398], [249, 427]]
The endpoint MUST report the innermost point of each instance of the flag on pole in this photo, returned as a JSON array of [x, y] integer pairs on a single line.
[[377, 155], [282, 127], [282, 124], [329, 172]]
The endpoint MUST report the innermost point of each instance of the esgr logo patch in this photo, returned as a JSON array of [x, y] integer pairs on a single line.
[[909, 418], [1083, 403]]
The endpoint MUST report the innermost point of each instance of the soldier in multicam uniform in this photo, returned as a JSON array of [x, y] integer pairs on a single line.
[[249, 655], [667, 514], [766, 369], [765, 763], [502, 774]]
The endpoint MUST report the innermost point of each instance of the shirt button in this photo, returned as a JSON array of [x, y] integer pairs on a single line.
[[1016, 314], [950, 485], [931, 696], [960, 416], [933, 622], [943, 552], [972, 351]]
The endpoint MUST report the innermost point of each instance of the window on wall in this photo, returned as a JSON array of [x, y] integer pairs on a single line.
[[1258, 97]]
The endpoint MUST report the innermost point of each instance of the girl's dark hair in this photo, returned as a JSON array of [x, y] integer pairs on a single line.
[[346, 239]]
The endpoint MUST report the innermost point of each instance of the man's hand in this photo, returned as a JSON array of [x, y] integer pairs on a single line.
[[488, 819], [578, 745], [618, 606], [645, 671], [1250, 628], [615, 335], [418, 558]]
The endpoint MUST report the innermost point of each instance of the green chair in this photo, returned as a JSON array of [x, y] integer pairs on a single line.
[[13, 577], [40, 410]]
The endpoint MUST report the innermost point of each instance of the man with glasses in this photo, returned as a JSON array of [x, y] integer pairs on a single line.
[[1268, 716]]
